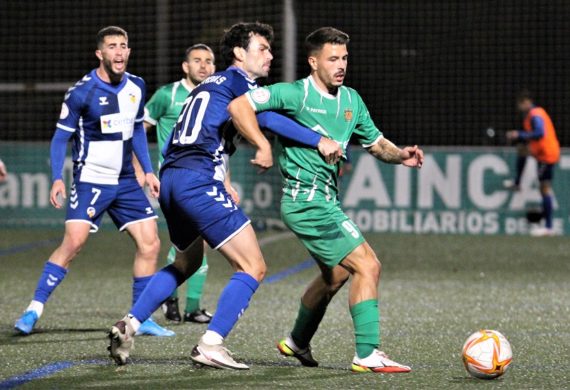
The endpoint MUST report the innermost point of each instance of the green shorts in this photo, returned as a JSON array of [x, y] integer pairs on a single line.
[[323, 228]]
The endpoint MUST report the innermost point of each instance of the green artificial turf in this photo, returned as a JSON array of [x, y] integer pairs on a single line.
[[435, 291]]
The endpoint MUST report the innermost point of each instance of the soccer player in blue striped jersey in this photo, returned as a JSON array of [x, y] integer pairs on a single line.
[[196, 204], [102, 114]]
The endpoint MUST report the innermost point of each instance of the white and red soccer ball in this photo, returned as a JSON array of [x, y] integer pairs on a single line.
[[487, 354]]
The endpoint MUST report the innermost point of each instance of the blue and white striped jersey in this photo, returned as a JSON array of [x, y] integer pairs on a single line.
[[102, 117]]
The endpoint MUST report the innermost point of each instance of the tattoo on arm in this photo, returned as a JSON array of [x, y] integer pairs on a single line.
[[386, 151]]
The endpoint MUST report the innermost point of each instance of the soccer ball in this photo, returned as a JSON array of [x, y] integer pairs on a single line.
[[487, 354]]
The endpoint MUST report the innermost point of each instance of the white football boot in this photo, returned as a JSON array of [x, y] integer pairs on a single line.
[[542, 232], [216, 356], [379, 362]]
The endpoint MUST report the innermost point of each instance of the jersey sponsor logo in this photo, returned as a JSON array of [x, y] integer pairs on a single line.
[[91, 211], [260, 95], [103, 101], [347, 114], [317, 110], [64, 111], [116, 123]]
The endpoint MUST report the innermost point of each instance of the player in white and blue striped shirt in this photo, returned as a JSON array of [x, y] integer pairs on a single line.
[[102, 114]]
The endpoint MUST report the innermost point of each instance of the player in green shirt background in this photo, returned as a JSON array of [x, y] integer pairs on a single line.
[[310, 205], [162, 112]]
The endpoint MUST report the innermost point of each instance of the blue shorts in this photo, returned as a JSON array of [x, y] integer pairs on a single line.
[[126, 203], [196, 205], [545, 172]]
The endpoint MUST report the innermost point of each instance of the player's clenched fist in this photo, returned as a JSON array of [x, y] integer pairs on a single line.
[[263, 158], [153, 184], [57, 192], [331, 150], [412, 156]]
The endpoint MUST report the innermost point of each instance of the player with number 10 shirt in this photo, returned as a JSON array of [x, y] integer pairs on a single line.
[[197, 206]]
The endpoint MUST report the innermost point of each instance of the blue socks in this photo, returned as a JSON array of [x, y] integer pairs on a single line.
[[232, 303], [547, 209], [139, 283], [156, 290], [51, 277]]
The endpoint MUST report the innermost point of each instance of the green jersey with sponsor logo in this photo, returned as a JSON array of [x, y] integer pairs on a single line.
[[163, 108], [306, 175]]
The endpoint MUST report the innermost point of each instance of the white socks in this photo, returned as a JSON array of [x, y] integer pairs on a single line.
[[136, 324], [36, 306], [212, 338]]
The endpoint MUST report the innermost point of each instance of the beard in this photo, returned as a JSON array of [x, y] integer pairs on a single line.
[[115, 77]]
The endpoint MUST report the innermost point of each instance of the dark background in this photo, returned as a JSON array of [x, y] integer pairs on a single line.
[[431, 72]]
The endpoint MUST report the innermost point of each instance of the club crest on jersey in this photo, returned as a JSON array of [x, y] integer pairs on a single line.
[[348, 114], [103, 101], [91, 211], [133, 98], [260, 95]]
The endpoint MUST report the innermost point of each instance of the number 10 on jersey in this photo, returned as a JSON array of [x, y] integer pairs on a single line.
[[191, 119]]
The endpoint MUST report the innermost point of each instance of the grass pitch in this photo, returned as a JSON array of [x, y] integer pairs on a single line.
[[435, 291]]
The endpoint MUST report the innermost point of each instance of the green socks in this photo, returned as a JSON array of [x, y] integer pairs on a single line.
[[307, 322], [195, 287], [366, 319]]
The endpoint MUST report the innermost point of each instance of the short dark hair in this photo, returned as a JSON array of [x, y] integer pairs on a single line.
[[198, 46], [524, 94], [239, 35], [318, 38], [108, 31]]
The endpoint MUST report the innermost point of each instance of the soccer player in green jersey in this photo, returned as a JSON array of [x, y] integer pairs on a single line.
[[310, 206], [162, 111]]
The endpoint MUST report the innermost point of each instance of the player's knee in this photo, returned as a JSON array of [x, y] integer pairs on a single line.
[[259, 271], [72, 245], [256, 270], [336, 284], [373, 266], [336, 279]]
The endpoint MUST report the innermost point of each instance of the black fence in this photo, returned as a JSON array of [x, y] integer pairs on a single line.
[[431, 72]]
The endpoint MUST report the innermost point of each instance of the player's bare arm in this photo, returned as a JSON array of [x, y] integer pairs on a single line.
[[243, 115], [247, 126], [410, 156]]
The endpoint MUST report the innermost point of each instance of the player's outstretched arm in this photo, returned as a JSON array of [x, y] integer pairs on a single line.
[[288, 128], [246, 124], [410, 156]]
